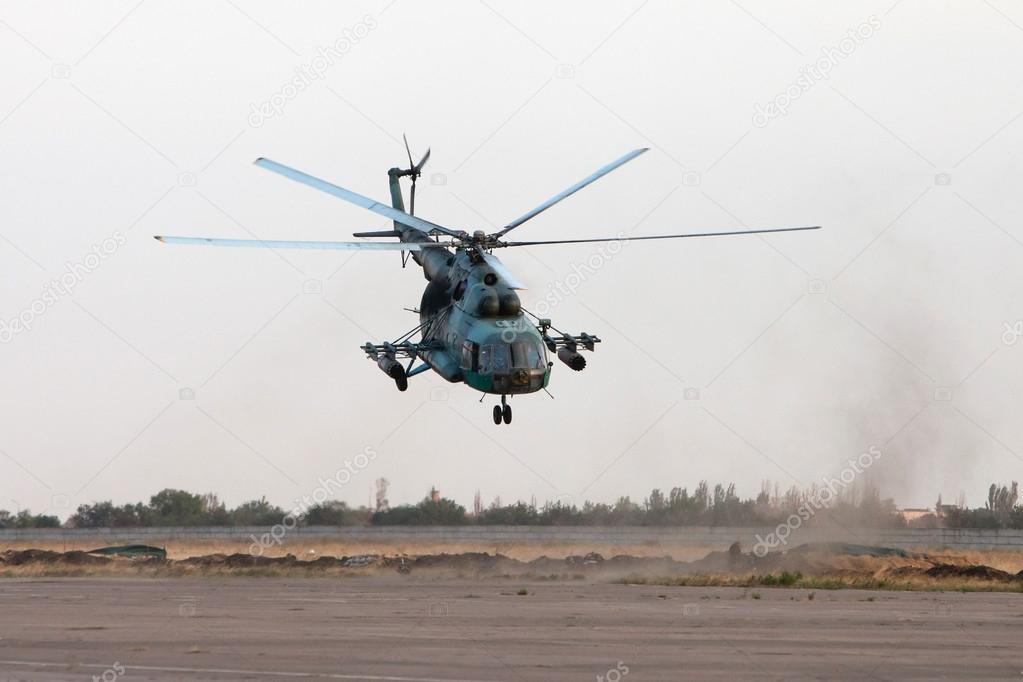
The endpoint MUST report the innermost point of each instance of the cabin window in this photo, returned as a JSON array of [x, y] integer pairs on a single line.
[[469, 356]]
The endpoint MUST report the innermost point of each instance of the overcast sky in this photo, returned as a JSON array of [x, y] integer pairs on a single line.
[[895, 125]]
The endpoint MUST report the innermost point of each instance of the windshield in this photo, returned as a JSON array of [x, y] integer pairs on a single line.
[[501, 357], [495, 357], [525, 354]]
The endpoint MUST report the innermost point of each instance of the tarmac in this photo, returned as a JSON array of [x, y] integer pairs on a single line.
[[413, 629]]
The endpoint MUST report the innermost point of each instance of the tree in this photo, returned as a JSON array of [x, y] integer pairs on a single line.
[[381, 502], [257, 513], [108, 515], [701, 497], [333, 513], [440, 511], [171, 507], [26, 519], [433, 510], [1001, 500], [518, 514]]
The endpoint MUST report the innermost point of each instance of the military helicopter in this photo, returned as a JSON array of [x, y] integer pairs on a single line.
[[473, 328]]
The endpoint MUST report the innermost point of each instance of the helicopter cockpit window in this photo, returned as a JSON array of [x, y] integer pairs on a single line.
[[495, 357], [528, 355], [501, 357]]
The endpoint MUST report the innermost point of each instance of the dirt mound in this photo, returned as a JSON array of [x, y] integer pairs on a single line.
[[644, 564], [847, 549], [26, 556], [77, 558], [970, 571], [840, 561], [42, 556], [475, 561], [728, 562], [238, 560]]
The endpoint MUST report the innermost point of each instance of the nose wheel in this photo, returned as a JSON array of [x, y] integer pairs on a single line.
[[503, 412]]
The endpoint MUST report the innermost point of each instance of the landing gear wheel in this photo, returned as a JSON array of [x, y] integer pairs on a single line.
[[506, 414], [497, 414]]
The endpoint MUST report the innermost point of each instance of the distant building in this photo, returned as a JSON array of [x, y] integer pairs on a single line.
[[920, 518], [911, 514]]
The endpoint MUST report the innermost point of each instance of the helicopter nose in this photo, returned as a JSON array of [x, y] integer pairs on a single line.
[[519, 380]]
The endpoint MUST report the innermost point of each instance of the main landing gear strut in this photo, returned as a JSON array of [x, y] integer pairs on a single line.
[[503, 411]]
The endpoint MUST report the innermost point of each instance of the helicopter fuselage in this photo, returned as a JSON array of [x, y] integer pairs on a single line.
[[486, 339], [481, 335]]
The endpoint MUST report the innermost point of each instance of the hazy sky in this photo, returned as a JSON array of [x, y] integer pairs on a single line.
[[895, 125]]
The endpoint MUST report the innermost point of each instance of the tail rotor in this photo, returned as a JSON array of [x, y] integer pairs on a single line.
[[414, 171]]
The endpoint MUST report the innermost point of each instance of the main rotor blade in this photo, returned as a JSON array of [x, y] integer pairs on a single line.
[[660, 236], [407, 150], [357, 199], [503, 272], [273, 244], [601, 172]]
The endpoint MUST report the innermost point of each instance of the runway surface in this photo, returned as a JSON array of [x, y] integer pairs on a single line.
[[411, 629]]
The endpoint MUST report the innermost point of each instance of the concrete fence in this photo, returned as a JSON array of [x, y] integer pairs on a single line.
[[494, 536]]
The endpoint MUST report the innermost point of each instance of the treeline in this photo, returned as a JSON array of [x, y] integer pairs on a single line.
[[181, 508], [1001, 510], [26, 519], [703, 506]]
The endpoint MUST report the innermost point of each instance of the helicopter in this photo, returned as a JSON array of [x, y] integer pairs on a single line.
[[473, 328]]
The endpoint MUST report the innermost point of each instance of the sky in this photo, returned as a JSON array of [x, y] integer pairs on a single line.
[[129, 366]]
